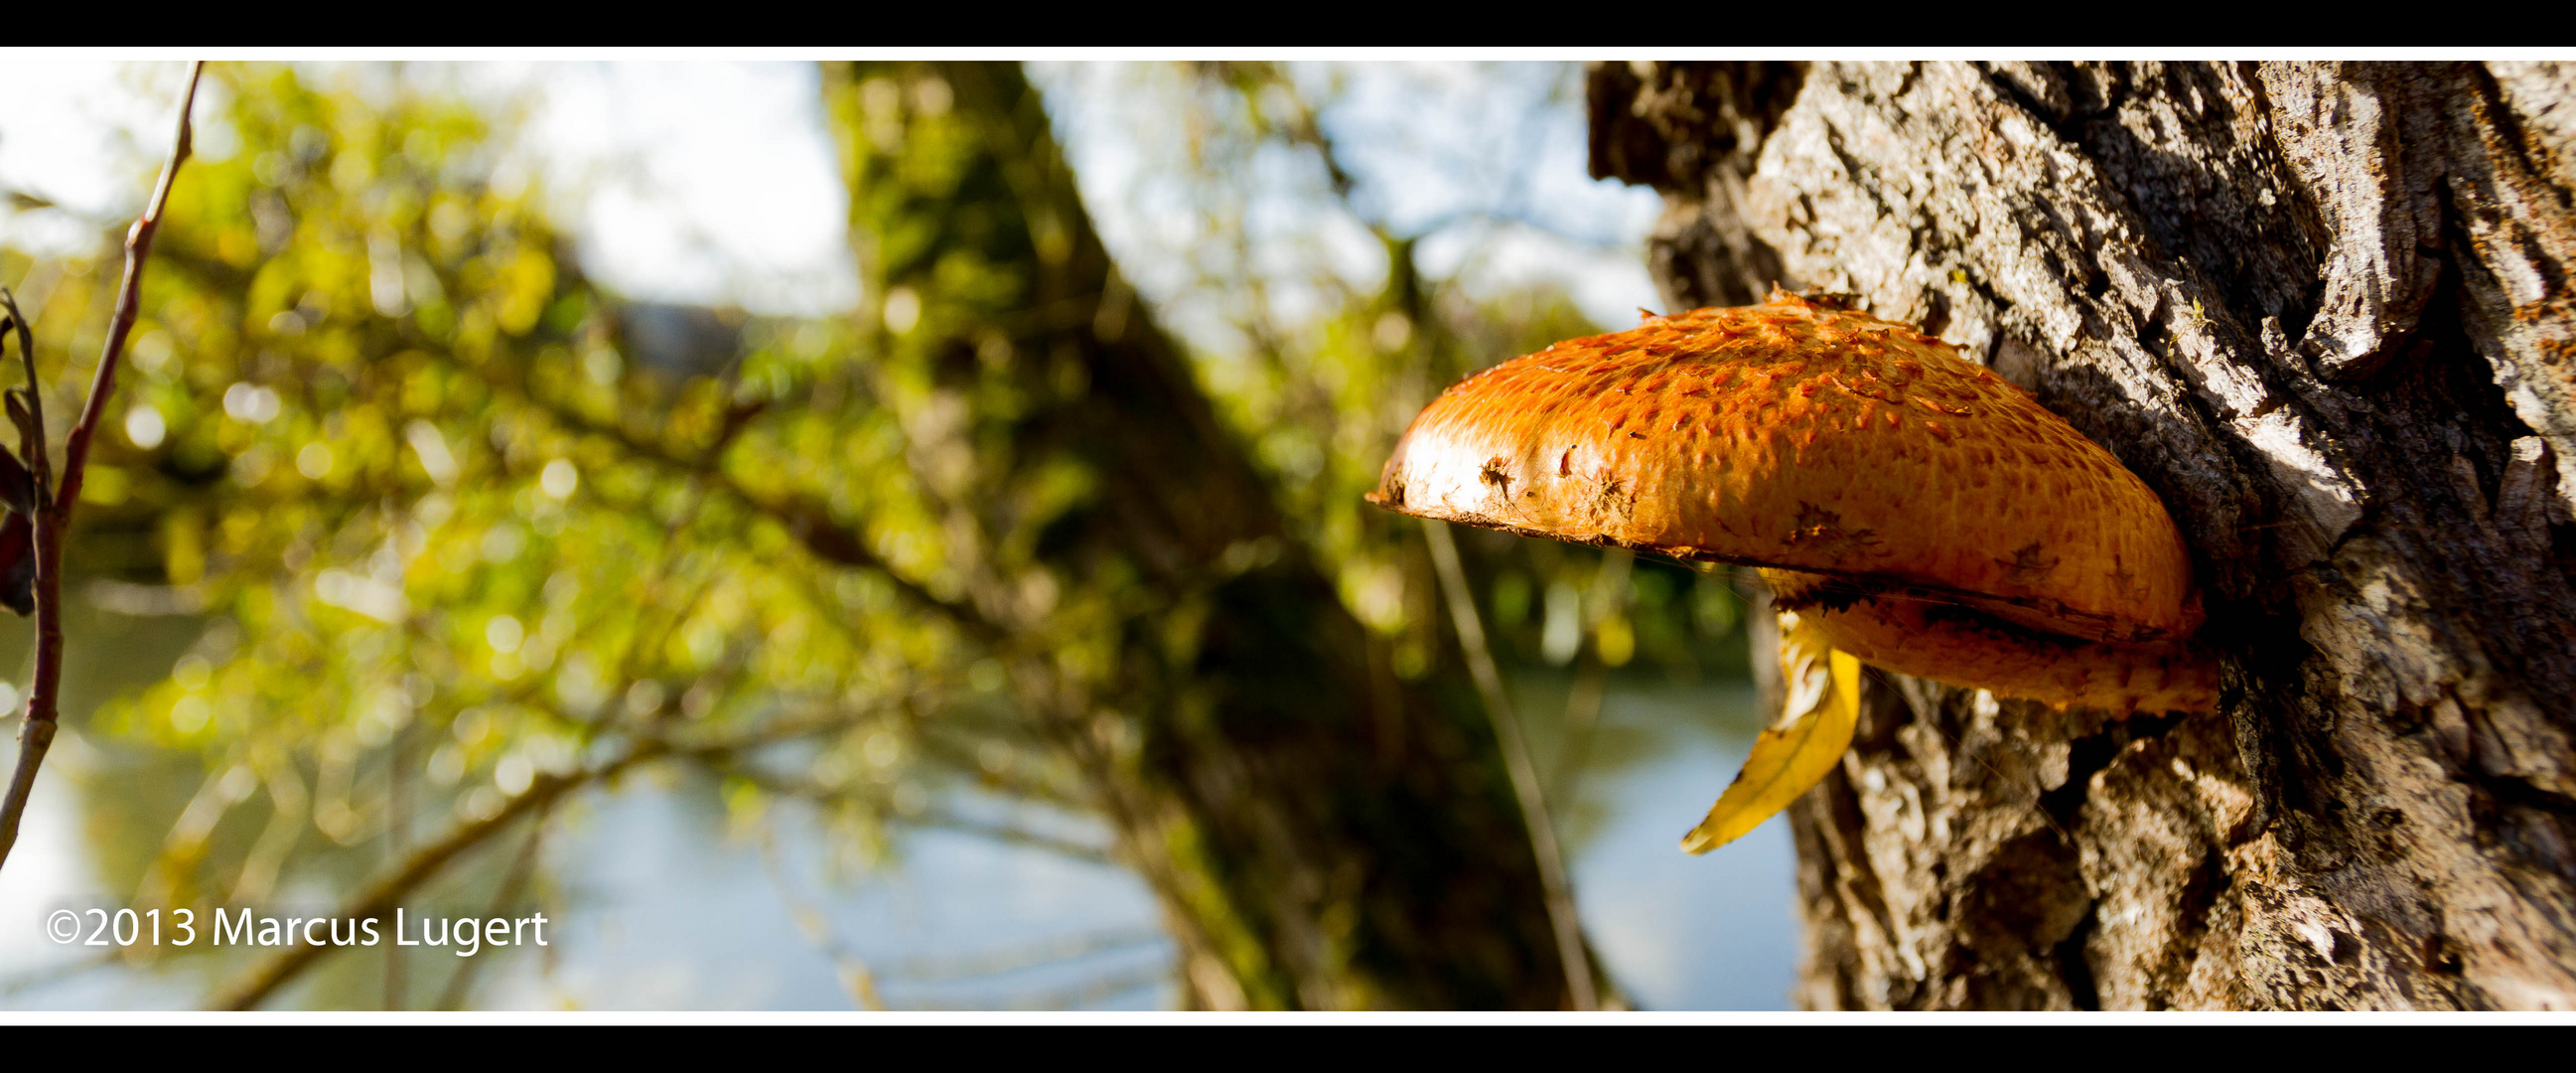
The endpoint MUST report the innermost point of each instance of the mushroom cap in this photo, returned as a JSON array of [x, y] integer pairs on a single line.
[[1799, 436]]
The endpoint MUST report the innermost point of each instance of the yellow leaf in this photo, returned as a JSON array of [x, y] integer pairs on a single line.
[[1796, 750]]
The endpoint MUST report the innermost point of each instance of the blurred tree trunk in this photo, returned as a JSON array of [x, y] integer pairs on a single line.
[[2323, 311], [1320, 833]]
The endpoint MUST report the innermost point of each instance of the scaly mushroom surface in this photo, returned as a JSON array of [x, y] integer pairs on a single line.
[[1915, 510]]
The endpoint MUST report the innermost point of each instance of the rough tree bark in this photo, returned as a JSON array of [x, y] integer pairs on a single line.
[[2323, 310], [1320, 833]]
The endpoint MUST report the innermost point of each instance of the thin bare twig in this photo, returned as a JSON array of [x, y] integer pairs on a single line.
[[934, 819], [1582, 718], [856, 978], [1516, 759], [53, 507], [129, 300], [1001, 961], [397, 840], [1592, 678], [521, 870]]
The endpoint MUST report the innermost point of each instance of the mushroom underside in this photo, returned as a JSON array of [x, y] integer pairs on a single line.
[[1963, 645]]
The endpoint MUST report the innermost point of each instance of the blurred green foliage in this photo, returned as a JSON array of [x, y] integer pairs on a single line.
[[380, 431], [454, 529]]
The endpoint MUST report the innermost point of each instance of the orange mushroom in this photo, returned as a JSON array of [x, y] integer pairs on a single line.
[[1907, 507]]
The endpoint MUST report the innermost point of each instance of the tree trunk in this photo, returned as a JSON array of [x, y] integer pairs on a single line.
[[1320, 833], [2323, 311]]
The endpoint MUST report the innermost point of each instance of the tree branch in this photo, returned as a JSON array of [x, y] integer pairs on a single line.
[[53, 507], [377, 899], [808, 522]]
